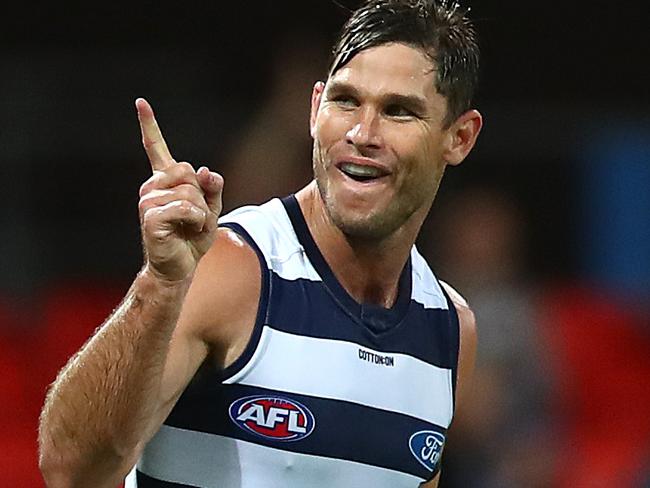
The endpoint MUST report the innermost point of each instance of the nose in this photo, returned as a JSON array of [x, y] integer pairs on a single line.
[[365, 130]]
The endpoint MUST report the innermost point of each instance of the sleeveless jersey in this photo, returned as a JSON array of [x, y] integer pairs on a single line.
[[328, 392]]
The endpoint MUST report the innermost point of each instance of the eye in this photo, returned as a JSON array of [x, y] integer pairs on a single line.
[[345, 101], [398, 111]]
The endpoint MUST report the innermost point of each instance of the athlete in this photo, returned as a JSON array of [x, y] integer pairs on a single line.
[[304, 342]]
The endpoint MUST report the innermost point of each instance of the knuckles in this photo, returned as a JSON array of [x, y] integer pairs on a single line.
[[186, 209], [184, 168], [172, 176], [175, 204], [164, 218], [188, 204], [184, 191]]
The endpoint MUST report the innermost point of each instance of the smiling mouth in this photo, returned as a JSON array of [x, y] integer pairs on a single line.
[[361, 173]]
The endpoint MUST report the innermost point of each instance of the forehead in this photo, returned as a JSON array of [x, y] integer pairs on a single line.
[[395, 68]]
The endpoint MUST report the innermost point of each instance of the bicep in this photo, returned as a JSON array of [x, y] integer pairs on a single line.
[[186, 353], [217, 315]]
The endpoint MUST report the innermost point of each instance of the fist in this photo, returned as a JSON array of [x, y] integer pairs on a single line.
[[178, 208]]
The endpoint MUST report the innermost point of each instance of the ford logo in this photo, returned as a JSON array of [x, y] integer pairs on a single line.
[[427, 446]]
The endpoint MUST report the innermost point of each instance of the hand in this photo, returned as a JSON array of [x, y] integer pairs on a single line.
[[178, 206]]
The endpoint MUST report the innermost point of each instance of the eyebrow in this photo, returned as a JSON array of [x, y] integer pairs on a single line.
[[412, 102]]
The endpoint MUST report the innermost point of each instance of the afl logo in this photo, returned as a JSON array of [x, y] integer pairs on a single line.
[[273, 418], [427, 447]]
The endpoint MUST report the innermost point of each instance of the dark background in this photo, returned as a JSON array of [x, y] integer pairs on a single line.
[[554, 77]]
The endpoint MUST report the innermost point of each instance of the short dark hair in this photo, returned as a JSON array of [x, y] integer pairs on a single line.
[[440, 28]]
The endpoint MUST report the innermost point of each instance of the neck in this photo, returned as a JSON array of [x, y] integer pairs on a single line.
[[369, 270]]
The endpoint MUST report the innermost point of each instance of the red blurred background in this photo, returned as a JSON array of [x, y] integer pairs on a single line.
[[545, 228]]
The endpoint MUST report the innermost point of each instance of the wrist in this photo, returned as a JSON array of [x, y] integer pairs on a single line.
[[151, 288], [155, 299], [149, 275]]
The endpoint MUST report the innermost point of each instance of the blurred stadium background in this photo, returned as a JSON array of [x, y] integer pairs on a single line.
[[545, 228]]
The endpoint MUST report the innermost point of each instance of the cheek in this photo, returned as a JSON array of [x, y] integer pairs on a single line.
[[431, 149], [330, 128], [415, 149], [423, 159]]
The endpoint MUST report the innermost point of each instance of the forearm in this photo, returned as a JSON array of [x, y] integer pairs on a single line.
[[100, 410]]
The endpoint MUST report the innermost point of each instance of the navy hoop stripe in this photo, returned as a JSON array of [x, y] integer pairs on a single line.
[[342, 429], [145, 481], [315, 313]]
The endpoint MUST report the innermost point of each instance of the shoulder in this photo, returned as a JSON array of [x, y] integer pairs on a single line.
[[231, 262], [228, 276], [221, 304], [468, 341], [466, 318]]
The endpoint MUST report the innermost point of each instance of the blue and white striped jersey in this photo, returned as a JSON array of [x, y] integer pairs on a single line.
[[328, 393]]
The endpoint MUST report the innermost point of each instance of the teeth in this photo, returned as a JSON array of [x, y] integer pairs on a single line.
[[363, 171]]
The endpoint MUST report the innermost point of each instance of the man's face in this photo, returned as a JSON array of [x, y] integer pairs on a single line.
[[379, 140]]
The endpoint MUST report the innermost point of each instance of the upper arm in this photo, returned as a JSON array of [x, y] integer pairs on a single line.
[[218, 313], [468, 343]]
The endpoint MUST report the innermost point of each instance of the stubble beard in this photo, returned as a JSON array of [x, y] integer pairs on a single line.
[[373, 227]]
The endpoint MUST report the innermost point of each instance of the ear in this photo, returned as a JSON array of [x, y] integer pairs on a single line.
[[316, 96], [461, 137]]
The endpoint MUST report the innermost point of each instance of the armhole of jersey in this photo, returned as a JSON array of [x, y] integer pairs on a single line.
[[454, 342], [262, 307]]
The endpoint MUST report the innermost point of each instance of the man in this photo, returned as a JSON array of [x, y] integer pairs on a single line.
[[304, 342]]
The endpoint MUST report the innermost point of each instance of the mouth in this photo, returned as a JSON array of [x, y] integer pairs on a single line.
[[362, 173]]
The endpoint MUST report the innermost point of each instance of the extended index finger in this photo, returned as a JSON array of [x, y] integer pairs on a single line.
[[152, 139]]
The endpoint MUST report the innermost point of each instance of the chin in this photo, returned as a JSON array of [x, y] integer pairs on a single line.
[[376, 225], [362, 219]]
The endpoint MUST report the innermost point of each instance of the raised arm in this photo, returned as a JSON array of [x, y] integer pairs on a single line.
[[115, 392]]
